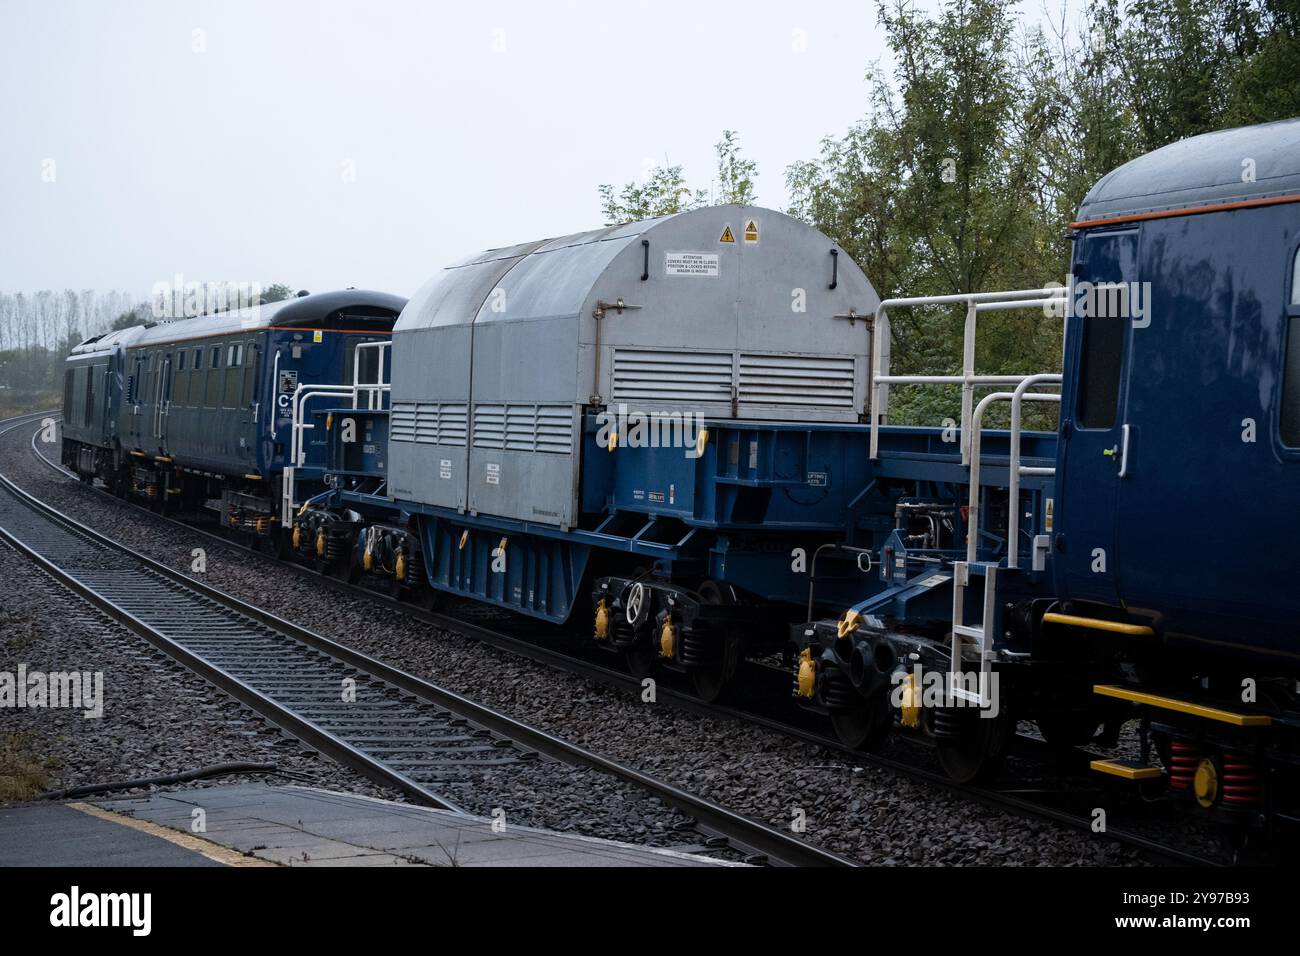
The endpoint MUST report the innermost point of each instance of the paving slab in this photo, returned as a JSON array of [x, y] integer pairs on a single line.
[[295, 826]]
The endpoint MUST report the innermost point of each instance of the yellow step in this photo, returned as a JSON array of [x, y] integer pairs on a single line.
[[1183, 706], [1126, 769]]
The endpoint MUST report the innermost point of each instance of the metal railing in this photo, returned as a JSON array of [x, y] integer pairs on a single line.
[[972, 419], [374, 397], [1015, 469], [976, 303]]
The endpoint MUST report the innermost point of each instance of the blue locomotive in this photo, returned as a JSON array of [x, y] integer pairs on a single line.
[[197, 412]]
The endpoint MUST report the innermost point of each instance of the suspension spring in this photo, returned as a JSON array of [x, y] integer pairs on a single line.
[[1183, 758]]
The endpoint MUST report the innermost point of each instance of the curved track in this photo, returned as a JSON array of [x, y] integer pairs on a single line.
[[1052, 805]]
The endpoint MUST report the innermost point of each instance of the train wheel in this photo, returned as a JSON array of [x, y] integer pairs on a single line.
[[428, 599], [640, 659], [972, 748], [866, 728], [710, 681], [345, 569]]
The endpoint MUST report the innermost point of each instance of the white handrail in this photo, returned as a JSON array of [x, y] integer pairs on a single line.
[[1013, 483], [375, 392], [968, 380], [973, 500]]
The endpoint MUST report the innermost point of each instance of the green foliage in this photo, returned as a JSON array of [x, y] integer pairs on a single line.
[[665, 191], [134, 317], [935, 192], [735, 173], [276, 292], [978, 148]]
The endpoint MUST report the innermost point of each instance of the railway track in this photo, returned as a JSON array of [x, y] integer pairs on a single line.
[[1045, 805], [397, 729]]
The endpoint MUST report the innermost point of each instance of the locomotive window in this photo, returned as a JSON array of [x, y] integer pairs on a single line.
[[198, 358], [368, 373], [250, 382], [78, 388], [180, 361], [234, 381], [1103, 352], [1290, 418], [67, 396], [212, 397], [216, 356], [89, 417], [1295, 280]]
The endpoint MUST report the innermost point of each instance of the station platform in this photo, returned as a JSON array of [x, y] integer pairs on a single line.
[[259, 825]]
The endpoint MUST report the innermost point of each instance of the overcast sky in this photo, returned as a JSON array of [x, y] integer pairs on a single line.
[[328, 144]]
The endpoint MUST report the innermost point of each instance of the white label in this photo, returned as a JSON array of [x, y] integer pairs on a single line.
[[444, 469], [493, 473], [691, 264], [933, 580]]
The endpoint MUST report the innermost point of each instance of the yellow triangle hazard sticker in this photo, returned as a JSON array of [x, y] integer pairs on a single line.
[[751, 231], [727, 236]]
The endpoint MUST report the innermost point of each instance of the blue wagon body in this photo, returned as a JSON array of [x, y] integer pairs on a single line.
[[198, 410]]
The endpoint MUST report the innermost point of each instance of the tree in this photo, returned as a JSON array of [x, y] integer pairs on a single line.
[[276, 292], [934, 193], [133, 317], [735, 173], [665, 191]]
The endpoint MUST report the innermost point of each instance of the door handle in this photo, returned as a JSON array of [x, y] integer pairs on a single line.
[[1123, 454]]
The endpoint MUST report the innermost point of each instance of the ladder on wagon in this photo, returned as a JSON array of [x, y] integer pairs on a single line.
[[975, 636]]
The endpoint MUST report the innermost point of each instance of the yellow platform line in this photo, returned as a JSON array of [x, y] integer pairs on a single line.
[[213, 851], [1096, 624], [1183, 706]]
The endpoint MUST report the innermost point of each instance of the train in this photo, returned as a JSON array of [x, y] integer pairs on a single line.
[[196, 413], [673, 436]]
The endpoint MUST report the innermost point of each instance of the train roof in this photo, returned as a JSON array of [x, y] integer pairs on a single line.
[[307, 312], [549, 279], [1232, 165], [108, 341]]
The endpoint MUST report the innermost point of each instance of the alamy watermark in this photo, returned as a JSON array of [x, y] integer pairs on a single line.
[[933, 689], [1102, 300], [179, 299], [637, 429], [70, 690]]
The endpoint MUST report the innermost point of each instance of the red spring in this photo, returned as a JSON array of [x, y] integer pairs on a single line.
[[1240, 780], [1183, 759]]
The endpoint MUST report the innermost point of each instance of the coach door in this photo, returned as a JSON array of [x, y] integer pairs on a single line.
[[163, 401], [1094, 436]]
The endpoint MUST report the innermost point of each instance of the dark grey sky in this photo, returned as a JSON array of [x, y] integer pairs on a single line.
[[330, 144]]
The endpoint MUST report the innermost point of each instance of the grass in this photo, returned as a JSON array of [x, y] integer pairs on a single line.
[[13, 404], [22, 630], [22, 776]]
